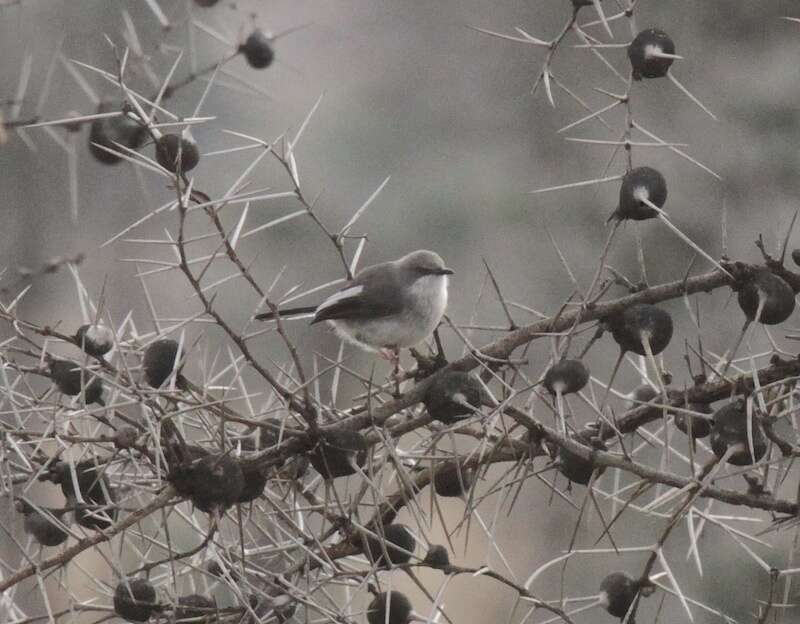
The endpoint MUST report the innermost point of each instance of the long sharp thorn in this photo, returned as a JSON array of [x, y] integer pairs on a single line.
[[690, 95], [601, 14]]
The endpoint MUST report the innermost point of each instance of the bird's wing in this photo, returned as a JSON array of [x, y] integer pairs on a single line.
[[373, 293]]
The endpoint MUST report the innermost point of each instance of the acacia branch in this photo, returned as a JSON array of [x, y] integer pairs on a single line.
[[93, 540]]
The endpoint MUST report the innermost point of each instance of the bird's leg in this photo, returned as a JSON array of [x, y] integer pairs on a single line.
[[396, 372], [441, 359], [395, 359]]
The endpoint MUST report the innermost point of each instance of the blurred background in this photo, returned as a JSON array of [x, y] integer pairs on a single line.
[[410, 91]]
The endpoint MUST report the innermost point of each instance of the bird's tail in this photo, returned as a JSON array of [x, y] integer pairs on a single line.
[[287, 312]]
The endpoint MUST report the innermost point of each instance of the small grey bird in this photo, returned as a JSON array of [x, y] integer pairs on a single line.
[[386, 306]]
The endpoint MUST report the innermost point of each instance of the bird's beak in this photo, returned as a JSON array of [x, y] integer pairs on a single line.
[[445, 271]]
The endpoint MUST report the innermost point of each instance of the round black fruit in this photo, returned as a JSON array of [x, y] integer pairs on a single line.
[[71, 379], [159, 361], [437, 557], [215, 568], [700, 427], [176, 153], [42, 526], [566, 377], [640, 323], [96, 340], [135, 600], [641, 394], [255, 477], [97, 510], [257, 50], [643, 51], [126, 437], [212, 482], [111, 132], [638, 184], [338, 452], [399, 543], [255, 480], [452, 396], [452, 481], [389, 608], [573, 466], [730, 430], [769, 291], [617, 593]]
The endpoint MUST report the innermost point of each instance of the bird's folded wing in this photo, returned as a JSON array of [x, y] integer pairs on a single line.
[[370, 295]]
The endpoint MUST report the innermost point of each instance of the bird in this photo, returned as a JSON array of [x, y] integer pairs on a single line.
[[386, 306]]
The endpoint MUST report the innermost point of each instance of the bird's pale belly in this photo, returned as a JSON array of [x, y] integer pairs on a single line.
[[381, 334], [404, 330]]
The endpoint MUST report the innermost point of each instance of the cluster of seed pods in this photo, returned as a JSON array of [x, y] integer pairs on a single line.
[[110, 138]]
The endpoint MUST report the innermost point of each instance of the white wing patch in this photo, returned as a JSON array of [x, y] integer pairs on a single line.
[[347, 293]]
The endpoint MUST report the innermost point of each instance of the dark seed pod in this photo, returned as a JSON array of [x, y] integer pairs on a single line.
[[641, 394], [796, 256], [195, 606], [211, 482], [41, 525], [97, 510], [205, 3], [453, 395], [96, 340], [295, 468], [215, 569], [641, 183], [176, 153], [274, 431], [110, 131], [618, 591], [451, 481], [640, 51], [259, 605], [159, 361], [396, 604], [126, 437], [568, 376], [271, 434], [135, 600], [255, 477], [582, 3], [640, 321], [776, 294], [337, 451], [71, 379], [730, 429], [255, 480], [574, 467], [701, 427], [397, 538], [437, 557], [257, 50]]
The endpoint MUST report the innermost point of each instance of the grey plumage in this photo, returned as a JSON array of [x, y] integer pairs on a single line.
[[387, 305]]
